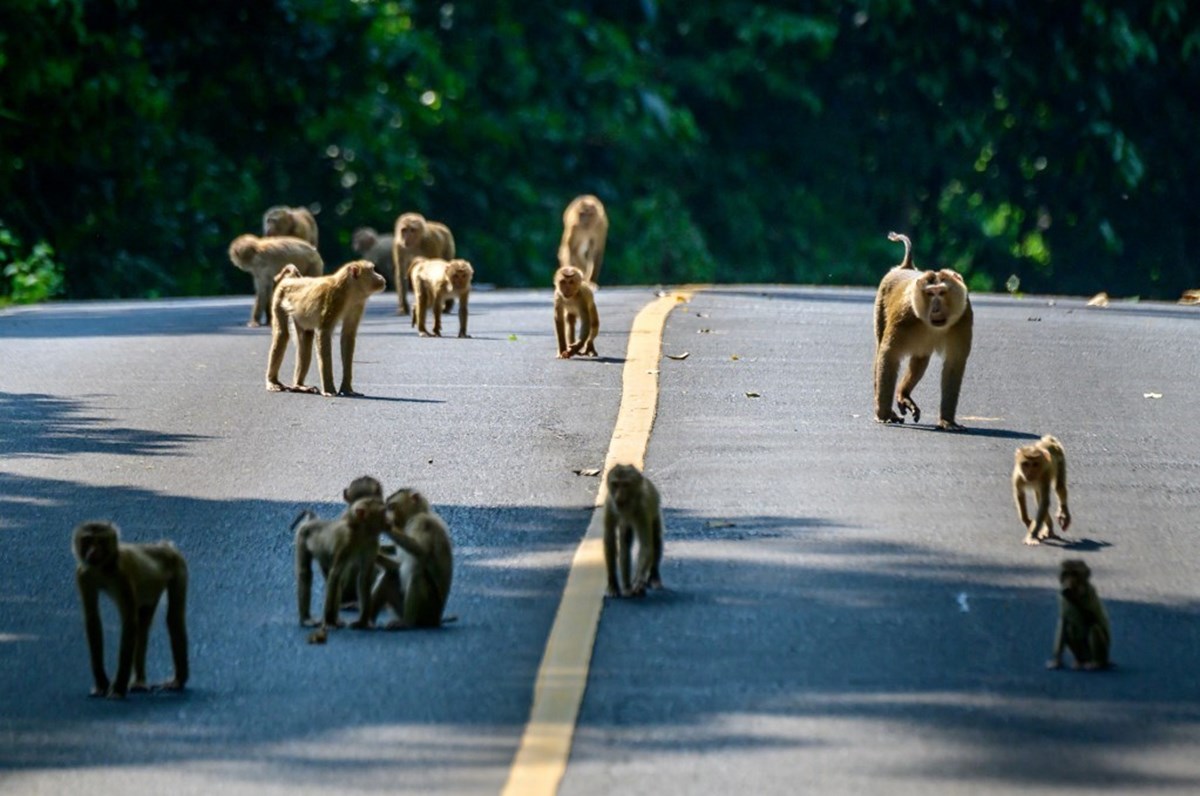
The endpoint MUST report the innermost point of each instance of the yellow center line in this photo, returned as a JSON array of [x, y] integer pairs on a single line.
[[541, 758]]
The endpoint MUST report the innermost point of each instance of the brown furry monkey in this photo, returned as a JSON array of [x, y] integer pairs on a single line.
[[370, 245], [632, 508], [417, 237], [1036, 467], [1082, 623], [418, 587], [317, 305], [585, 229], [435, 282], [351, 541], [573, 300], [298, 222], [263, 259], [134, 576], [917, 314]]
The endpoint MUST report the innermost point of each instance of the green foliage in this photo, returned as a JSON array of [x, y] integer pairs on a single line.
[[730, 140], [29, 277]]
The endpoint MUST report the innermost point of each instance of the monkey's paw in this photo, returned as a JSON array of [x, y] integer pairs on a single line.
[[656, 583], [1064, 520], [424, 334], [564, 354], [274, 386], [613, 591], [890, 417], [907, 405], [319, 636], [361, 624], [169, 685], [346, 392], [253, 324], [139, 687], [1053, 663], [950, 425], [99, 691], [303, 388], [1032, 540], [464, 335]]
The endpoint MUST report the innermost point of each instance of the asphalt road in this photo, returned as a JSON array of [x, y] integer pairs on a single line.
[[849, 606]]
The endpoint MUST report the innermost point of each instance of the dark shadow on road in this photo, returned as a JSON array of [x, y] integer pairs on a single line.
[[968, 431], [129, 319]]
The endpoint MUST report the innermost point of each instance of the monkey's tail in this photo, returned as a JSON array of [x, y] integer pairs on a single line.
[[302, 517], [907, 261]]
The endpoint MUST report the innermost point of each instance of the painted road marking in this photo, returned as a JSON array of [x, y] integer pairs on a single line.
[[541, 758]]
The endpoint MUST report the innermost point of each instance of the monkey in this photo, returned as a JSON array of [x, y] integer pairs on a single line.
[[316, 305], [585, 227], [418, 586], [1036, 466], [134, 576], [264, 259], [297, 222], [416, 237], [370, 245], [351, 541], [434, 281], [573, 299], [907, 261], [632, 507], [1082, 623], [918, 313]]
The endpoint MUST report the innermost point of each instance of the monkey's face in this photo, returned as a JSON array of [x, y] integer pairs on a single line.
[[369, 513], [1032, 463], [411, 232], [940, 297], [624, 484], [1074, 579], [460, 273], [95, 545], [279, 223], [569, 282], [587, 214], [363, 240]]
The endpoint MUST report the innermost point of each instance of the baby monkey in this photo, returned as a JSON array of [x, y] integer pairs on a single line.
[[417, 584], [1037, 466], [1082, 622], [631, 508], [574, 300]]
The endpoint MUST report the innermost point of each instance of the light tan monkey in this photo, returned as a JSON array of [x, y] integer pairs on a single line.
[[907, 261], [1082, 623], [317, 305], [435, 282], [585, 228], [918, 313], [417, 587], [1036, 467], [297, 222], [349, 542], [134, 576], [263, 259], [370, 245], [631, 508], [573, 300], [416, 237]]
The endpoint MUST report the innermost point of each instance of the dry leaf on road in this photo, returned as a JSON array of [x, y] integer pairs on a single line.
[[682, 356]]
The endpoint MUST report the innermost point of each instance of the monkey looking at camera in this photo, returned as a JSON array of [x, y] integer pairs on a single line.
[[419, 586], [296, 222], [585, 228], [1082, 622], [917, 314], [573, 300], [435, 282], [134, 576], [417, 237], [317, 305], [1036, 467], [264, 259], [632, 508]]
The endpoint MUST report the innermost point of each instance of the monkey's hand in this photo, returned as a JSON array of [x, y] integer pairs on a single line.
[[564, 354], [99, 691], [612, 591], [139, 687], [907, 404], [950, 425], [302, 388], [169, 685], [253, 324], [1054, 663], [1064, 519], [888, 417], [113, 693]]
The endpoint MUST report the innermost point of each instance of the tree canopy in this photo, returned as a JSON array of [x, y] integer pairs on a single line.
[[731, 141]]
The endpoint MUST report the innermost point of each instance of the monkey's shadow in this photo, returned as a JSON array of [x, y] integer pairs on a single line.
[[997, 433], [601, 360], [1077, 545], [393, 399]]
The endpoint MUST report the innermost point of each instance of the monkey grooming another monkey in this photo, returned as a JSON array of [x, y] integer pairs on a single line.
[[317, 305], [435, 282], [134, 576], [263, 259], [419, 586], [1036, 467], [297, 222], [918, 313], [370, 245], [349, 542], [1082, 622], [416, 237], [632, 508], [573, 299], [585, 228]]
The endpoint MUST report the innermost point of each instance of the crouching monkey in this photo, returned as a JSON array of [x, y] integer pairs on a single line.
[[1082, 622]]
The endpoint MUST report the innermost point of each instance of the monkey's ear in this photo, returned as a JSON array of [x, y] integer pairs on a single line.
[[354, 271], [416, 497], [952, 274]]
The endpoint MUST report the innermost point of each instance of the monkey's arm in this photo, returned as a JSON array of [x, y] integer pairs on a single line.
[[122, 592], [1019, 499], [1055, 661], [304, 581], [177, 624], [610, 553], [462, 313], [89, 597], [333, 590], [559, 330]]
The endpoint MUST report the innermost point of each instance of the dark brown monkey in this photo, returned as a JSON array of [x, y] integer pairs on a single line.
[[317, 305], [370, 245], [1082, 622], [573, 300], [907, 261], [585, 228], [134, 576], [435, 282], [631, 508], [264, 259], [416, 237], [418, 586], [297, 222], [349, 542], [918, 313], [1036, 467]]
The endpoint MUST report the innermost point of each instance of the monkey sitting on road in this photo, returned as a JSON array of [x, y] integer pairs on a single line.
[[418, 586], [1082, 622]]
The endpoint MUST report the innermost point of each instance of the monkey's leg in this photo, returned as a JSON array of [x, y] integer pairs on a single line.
[[571, 332], [177, 630], [625, 560], [325, 360], [145, 617], [437, 314], [954, 365], [462, 314], [304, 347], [916, 369], [279, 343], [1037, 530], [610, 555], [1097, 643], [387, 592], [655, 577], [263, 284], [887, 366], [349, 335]]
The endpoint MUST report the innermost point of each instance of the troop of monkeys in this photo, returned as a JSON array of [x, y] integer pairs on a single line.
[[917, 313]]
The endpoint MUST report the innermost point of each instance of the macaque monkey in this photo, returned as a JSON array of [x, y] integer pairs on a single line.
[[1082, 622], [264, 259], [918, 313], [907, 261], [585, 227], [416, 237], [349, 542], [573, 299], [418, 586], [632, 507], [134, 576], [316, 305], [1037, 466], [370, 245], [435, 282], [297, 222]]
